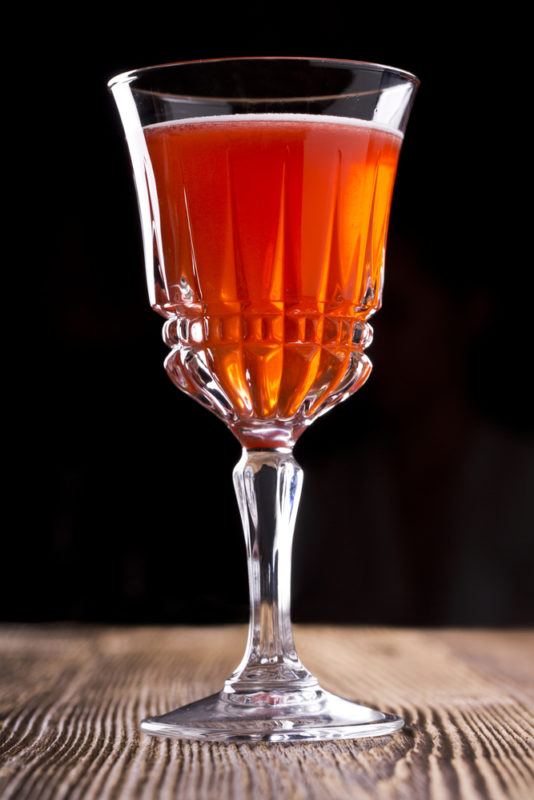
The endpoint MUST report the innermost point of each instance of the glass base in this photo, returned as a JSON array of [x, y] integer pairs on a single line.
[[310, 714]]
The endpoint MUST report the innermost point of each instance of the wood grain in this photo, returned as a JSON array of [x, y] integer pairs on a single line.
[[71, 699]]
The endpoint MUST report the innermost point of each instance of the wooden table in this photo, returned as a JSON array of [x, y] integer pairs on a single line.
[[71, 698]]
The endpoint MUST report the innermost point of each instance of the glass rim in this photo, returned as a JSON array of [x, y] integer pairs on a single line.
[[128, 76]]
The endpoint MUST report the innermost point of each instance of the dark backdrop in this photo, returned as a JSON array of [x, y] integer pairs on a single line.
[[418, 504]]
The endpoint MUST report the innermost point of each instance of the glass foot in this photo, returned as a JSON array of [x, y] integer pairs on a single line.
[[275, 716]]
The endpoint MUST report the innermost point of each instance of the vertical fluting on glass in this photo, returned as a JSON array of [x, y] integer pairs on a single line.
[[268, 484]]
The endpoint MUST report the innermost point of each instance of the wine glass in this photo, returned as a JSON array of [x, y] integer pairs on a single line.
[[264, 188]]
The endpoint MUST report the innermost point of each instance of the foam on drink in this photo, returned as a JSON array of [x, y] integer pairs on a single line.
[[281, 117]]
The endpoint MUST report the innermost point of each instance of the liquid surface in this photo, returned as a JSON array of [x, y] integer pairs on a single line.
[[271, 232]]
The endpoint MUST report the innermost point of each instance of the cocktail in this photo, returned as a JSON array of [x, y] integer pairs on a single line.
[[264, 189]]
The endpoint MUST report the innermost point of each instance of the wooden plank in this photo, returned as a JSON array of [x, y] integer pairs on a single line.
[[71, 699]]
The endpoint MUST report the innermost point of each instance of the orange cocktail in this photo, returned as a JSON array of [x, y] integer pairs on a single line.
[[272, 233]]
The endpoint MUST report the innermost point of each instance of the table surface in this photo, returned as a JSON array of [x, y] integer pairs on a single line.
[[71, 698]]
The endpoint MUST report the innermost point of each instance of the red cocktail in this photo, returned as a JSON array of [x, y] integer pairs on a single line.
[[264, 189], [273, 232]]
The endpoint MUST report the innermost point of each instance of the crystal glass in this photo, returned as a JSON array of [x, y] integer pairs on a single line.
[[264, 189]]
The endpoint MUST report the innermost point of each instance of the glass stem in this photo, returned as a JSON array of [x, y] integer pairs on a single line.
[[268, 485]]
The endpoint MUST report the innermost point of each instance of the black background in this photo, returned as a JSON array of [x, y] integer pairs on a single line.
[[418, 503]]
